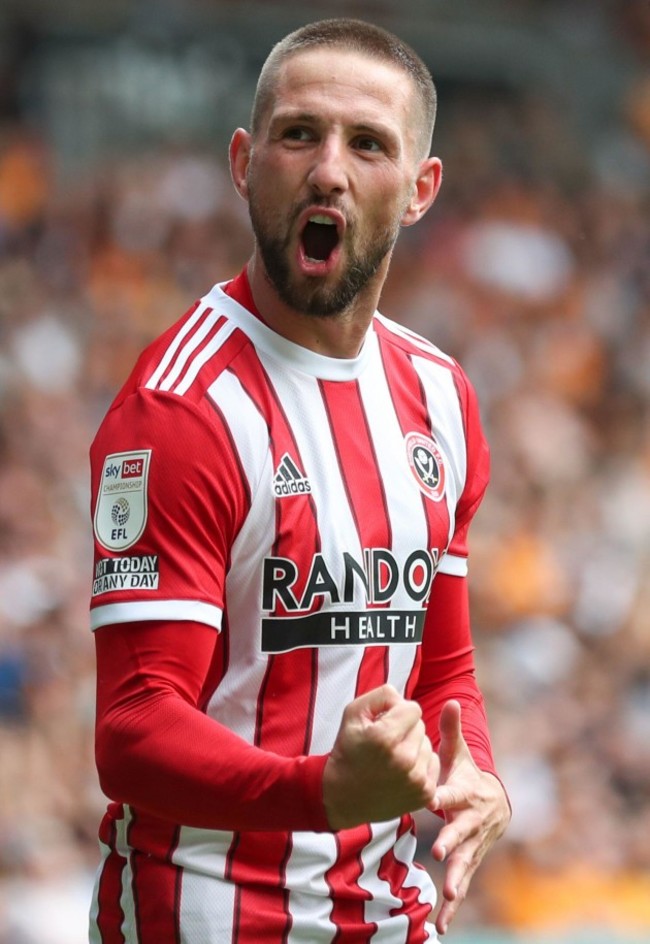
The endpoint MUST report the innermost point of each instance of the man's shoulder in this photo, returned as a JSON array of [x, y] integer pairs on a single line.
[[164, 399], [186, 358]]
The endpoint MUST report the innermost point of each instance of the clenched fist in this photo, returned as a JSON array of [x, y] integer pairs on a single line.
[[382, 764]]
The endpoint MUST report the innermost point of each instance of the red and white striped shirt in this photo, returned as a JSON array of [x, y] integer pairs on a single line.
[[301, 507]]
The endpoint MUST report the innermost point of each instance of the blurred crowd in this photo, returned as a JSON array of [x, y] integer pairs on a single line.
[[536, 275], [533, 269]]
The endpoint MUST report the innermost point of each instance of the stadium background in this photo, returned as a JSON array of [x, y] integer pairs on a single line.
[[533, 268]]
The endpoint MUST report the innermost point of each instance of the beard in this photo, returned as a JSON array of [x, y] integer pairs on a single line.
[[310, 296]]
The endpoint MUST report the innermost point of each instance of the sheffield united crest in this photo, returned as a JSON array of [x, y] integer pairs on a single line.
[[426, 465]]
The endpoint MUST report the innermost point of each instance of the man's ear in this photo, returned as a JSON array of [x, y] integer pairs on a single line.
[[239, 154], [425, 190]]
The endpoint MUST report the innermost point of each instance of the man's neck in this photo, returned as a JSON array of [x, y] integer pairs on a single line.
[[340, 335]]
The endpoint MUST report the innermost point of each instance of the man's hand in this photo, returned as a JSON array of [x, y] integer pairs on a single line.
[[476, 812], [382, 764]]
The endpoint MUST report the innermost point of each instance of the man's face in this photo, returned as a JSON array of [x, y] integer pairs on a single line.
[[330, 177]]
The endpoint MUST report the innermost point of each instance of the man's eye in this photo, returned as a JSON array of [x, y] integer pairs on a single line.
[[297, 134], [368, 144]]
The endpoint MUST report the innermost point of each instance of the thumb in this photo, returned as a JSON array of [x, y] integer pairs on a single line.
[[451, 733]]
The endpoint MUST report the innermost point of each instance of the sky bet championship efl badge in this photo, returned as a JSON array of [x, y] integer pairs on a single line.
[[121, 512]]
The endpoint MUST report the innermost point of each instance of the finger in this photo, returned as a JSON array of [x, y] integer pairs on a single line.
[[417, 741], [462, 829], [454, 892], [375, 703], [460, 869], [446, 915], [445, 844], [450, 718], [404, 749], [457, 880], [414, 754], [451, 734], [427, 766], [401, 721], [434, 774], [452, 798], [416, 776]]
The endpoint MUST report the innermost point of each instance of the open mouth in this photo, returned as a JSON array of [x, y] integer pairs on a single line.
[[320, 237]]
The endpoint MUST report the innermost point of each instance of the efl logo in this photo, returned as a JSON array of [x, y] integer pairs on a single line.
[[133, 468], [121, 510]]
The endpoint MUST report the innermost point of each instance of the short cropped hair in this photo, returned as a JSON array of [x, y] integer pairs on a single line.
[[357, 36]]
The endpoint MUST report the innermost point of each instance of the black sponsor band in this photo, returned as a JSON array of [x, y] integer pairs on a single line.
[[139, 564], [366, 628], [111, 582], [138, 572]]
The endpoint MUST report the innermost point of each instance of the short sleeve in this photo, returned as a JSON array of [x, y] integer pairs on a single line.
[[167, 499]]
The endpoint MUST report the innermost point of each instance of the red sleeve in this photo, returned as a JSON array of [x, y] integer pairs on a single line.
[[478, 465], [447, 668], [159, 752], [182, 511]]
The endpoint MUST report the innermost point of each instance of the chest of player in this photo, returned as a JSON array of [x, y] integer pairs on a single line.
[[356, 505]]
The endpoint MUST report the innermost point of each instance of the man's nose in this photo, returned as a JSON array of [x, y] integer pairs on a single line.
[[329, 171]]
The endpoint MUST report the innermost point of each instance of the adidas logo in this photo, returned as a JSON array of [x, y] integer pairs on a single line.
[[289, 480]]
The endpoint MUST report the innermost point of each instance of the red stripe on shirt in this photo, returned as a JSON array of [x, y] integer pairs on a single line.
[[367, 499], [409, 402], [110, 915], [294, 675], [156, 880], [396, 873], [295, 515], [348, 908], [258, 869], [355, 450]]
